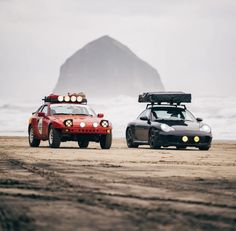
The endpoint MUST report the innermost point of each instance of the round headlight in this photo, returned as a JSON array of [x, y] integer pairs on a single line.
[[82, 125], [73, 98], [67, 98], [60, 98], [95, 125], [166, 128], [69, 123], [205, 128], [104, 123], [79, 98]]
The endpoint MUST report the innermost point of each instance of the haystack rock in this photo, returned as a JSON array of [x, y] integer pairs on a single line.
[[105, 67]]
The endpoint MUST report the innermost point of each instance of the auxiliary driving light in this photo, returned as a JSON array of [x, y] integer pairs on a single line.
[[73, 98], [67, 98], [185, 139], [104, 123], [79, 98], [196, 139], [82, 125], [95, 125], [60, 98]]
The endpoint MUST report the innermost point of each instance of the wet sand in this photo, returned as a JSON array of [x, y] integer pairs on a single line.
[[117, 189]]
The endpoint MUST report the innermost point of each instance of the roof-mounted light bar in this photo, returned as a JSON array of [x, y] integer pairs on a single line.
[[70, 98], [175, 97]]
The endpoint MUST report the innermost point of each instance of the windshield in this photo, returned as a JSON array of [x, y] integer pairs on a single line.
[[71, 109], [171, 113]]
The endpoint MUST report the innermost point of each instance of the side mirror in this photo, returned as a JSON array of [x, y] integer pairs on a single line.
[[41, 114], [100, 115], [199, 119], [144, 118]]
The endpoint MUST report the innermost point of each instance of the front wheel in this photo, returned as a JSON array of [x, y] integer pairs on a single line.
[[129, 139], [33, 141], [105, 141], [83, 143], [54, 139], [152, 139]]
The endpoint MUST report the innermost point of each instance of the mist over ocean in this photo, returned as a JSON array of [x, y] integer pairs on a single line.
[[218, 112]]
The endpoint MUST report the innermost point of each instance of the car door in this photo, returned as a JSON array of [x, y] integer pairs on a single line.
[[45, 122], [142, 126], [38, 121]]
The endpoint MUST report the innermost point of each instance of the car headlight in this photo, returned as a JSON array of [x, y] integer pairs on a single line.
[[205, 128], [104, 123], [166, 128], [68, 123]]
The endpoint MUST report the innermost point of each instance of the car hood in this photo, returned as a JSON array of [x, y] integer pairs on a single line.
[[76, 118], [180, 125]]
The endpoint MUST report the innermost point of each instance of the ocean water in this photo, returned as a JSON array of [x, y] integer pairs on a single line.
[[218, 112]]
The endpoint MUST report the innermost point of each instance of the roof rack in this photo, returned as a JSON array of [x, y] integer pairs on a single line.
[[173, 97]]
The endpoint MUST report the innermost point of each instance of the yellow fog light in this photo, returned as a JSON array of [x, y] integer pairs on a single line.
[[184, 138], [196, 139]]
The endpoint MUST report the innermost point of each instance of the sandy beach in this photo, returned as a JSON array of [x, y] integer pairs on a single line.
[[117, 189]]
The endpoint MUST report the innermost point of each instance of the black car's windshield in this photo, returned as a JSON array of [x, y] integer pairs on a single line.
[[171, 113], [71, 109]]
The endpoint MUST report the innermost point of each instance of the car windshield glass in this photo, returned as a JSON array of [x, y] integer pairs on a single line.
[[71, 109], [172, 114]]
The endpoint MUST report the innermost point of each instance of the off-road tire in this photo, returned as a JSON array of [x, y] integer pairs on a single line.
[[54, 137], [130, 139], [152, 139], [106, 141], [83, 143], [33, 141]]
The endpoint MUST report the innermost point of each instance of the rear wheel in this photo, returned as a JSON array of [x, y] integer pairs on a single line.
[[54, 138], [129, 139], [105, 141], [33, 141], [152, 139], [83, 143]]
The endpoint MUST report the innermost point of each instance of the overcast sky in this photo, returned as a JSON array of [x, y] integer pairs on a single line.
[[192, 43]]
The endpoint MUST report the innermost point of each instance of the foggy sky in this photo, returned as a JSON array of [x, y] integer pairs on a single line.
[[190, 42]]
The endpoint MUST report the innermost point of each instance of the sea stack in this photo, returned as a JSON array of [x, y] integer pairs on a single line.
[[107, 68]]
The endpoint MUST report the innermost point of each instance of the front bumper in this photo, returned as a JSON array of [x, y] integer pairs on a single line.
[[79, 130], [175, 138]]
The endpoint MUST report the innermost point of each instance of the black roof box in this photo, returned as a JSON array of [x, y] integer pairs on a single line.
[[165, 97]]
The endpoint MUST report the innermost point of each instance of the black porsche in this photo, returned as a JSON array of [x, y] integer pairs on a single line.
[[167, 122]]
